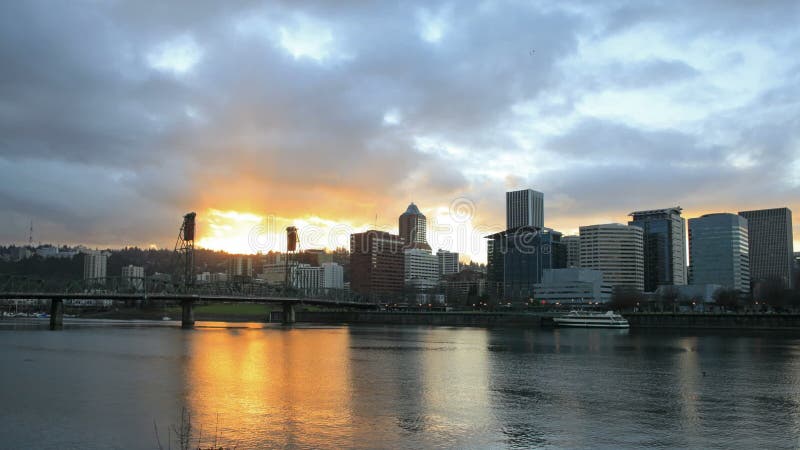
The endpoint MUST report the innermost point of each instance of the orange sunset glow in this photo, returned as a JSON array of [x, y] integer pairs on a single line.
[[240, 232]]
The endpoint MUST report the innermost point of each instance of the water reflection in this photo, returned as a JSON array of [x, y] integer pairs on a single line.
[[284, 387], [257, 386]]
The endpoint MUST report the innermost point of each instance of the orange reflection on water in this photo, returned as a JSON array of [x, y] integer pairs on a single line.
[[274, 383]]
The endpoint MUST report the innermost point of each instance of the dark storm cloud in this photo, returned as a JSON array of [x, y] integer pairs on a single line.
[[100, 146]]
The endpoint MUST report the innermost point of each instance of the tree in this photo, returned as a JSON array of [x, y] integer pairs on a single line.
[[624, 297], [727, 298], [668, 297], [772, 292]]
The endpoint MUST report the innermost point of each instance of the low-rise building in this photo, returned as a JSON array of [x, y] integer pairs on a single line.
[[275, 273], [574, 285], [133, 277], [464, 288], [308, 277], [692, 292]]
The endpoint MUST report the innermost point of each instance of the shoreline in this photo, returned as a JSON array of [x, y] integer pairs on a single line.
[[776, 322]]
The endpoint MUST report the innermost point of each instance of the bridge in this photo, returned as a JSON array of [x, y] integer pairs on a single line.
[[149, 290]]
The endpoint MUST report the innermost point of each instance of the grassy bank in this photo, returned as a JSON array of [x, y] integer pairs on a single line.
[[229, 312]]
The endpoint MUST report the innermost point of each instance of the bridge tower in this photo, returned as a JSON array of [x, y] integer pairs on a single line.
[[289, 281], [184, 251], [184, 269]]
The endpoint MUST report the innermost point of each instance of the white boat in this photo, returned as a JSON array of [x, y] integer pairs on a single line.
[[590, 319]]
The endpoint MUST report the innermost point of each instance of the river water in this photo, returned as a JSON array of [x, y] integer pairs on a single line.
[[262, 386]]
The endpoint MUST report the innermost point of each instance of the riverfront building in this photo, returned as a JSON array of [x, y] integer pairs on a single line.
[[771, 245], [413, 227], [516, 259], [376, 264], [524, 208], [664, 246], [421, 269], [448, 262], [617, 251], [719, 251], [465, 288], [572, 286]]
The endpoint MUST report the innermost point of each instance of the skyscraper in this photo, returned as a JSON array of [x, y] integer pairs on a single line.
[[524, 208], [719, 251], [771, 247], [413, 227], [516, 259], [616, 250], [664, 246], [376, 264]]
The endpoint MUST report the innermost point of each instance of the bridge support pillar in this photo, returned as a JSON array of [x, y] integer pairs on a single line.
[[187, 314], [56, 314], [288, 313]]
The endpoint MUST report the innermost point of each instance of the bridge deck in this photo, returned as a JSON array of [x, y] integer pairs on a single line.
[[182, 297]]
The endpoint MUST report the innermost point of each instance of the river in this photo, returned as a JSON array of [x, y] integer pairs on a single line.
[[102, 385]]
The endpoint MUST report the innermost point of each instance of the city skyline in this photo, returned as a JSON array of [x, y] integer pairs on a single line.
[[330, 236], [114, 125]]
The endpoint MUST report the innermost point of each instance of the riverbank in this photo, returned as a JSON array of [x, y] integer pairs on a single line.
[[452, 319], [228, 312], [727, 321]]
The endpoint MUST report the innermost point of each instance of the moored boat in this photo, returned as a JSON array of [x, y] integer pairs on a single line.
[[590, 319]]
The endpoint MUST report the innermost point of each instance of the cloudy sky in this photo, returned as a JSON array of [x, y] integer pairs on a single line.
[[117, 117]]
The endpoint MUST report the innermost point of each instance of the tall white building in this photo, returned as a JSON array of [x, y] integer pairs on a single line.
[[332, 276], [524, 208], [616, 250], [573, 244], [133, 276], [94, 266], [448, 262], [421, 268]]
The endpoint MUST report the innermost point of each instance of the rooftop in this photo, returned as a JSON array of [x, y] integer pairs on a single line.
[[412, 209]]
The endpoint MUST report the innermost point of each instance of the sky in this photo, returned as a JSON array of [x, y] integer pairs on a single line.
[[117, 117]]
